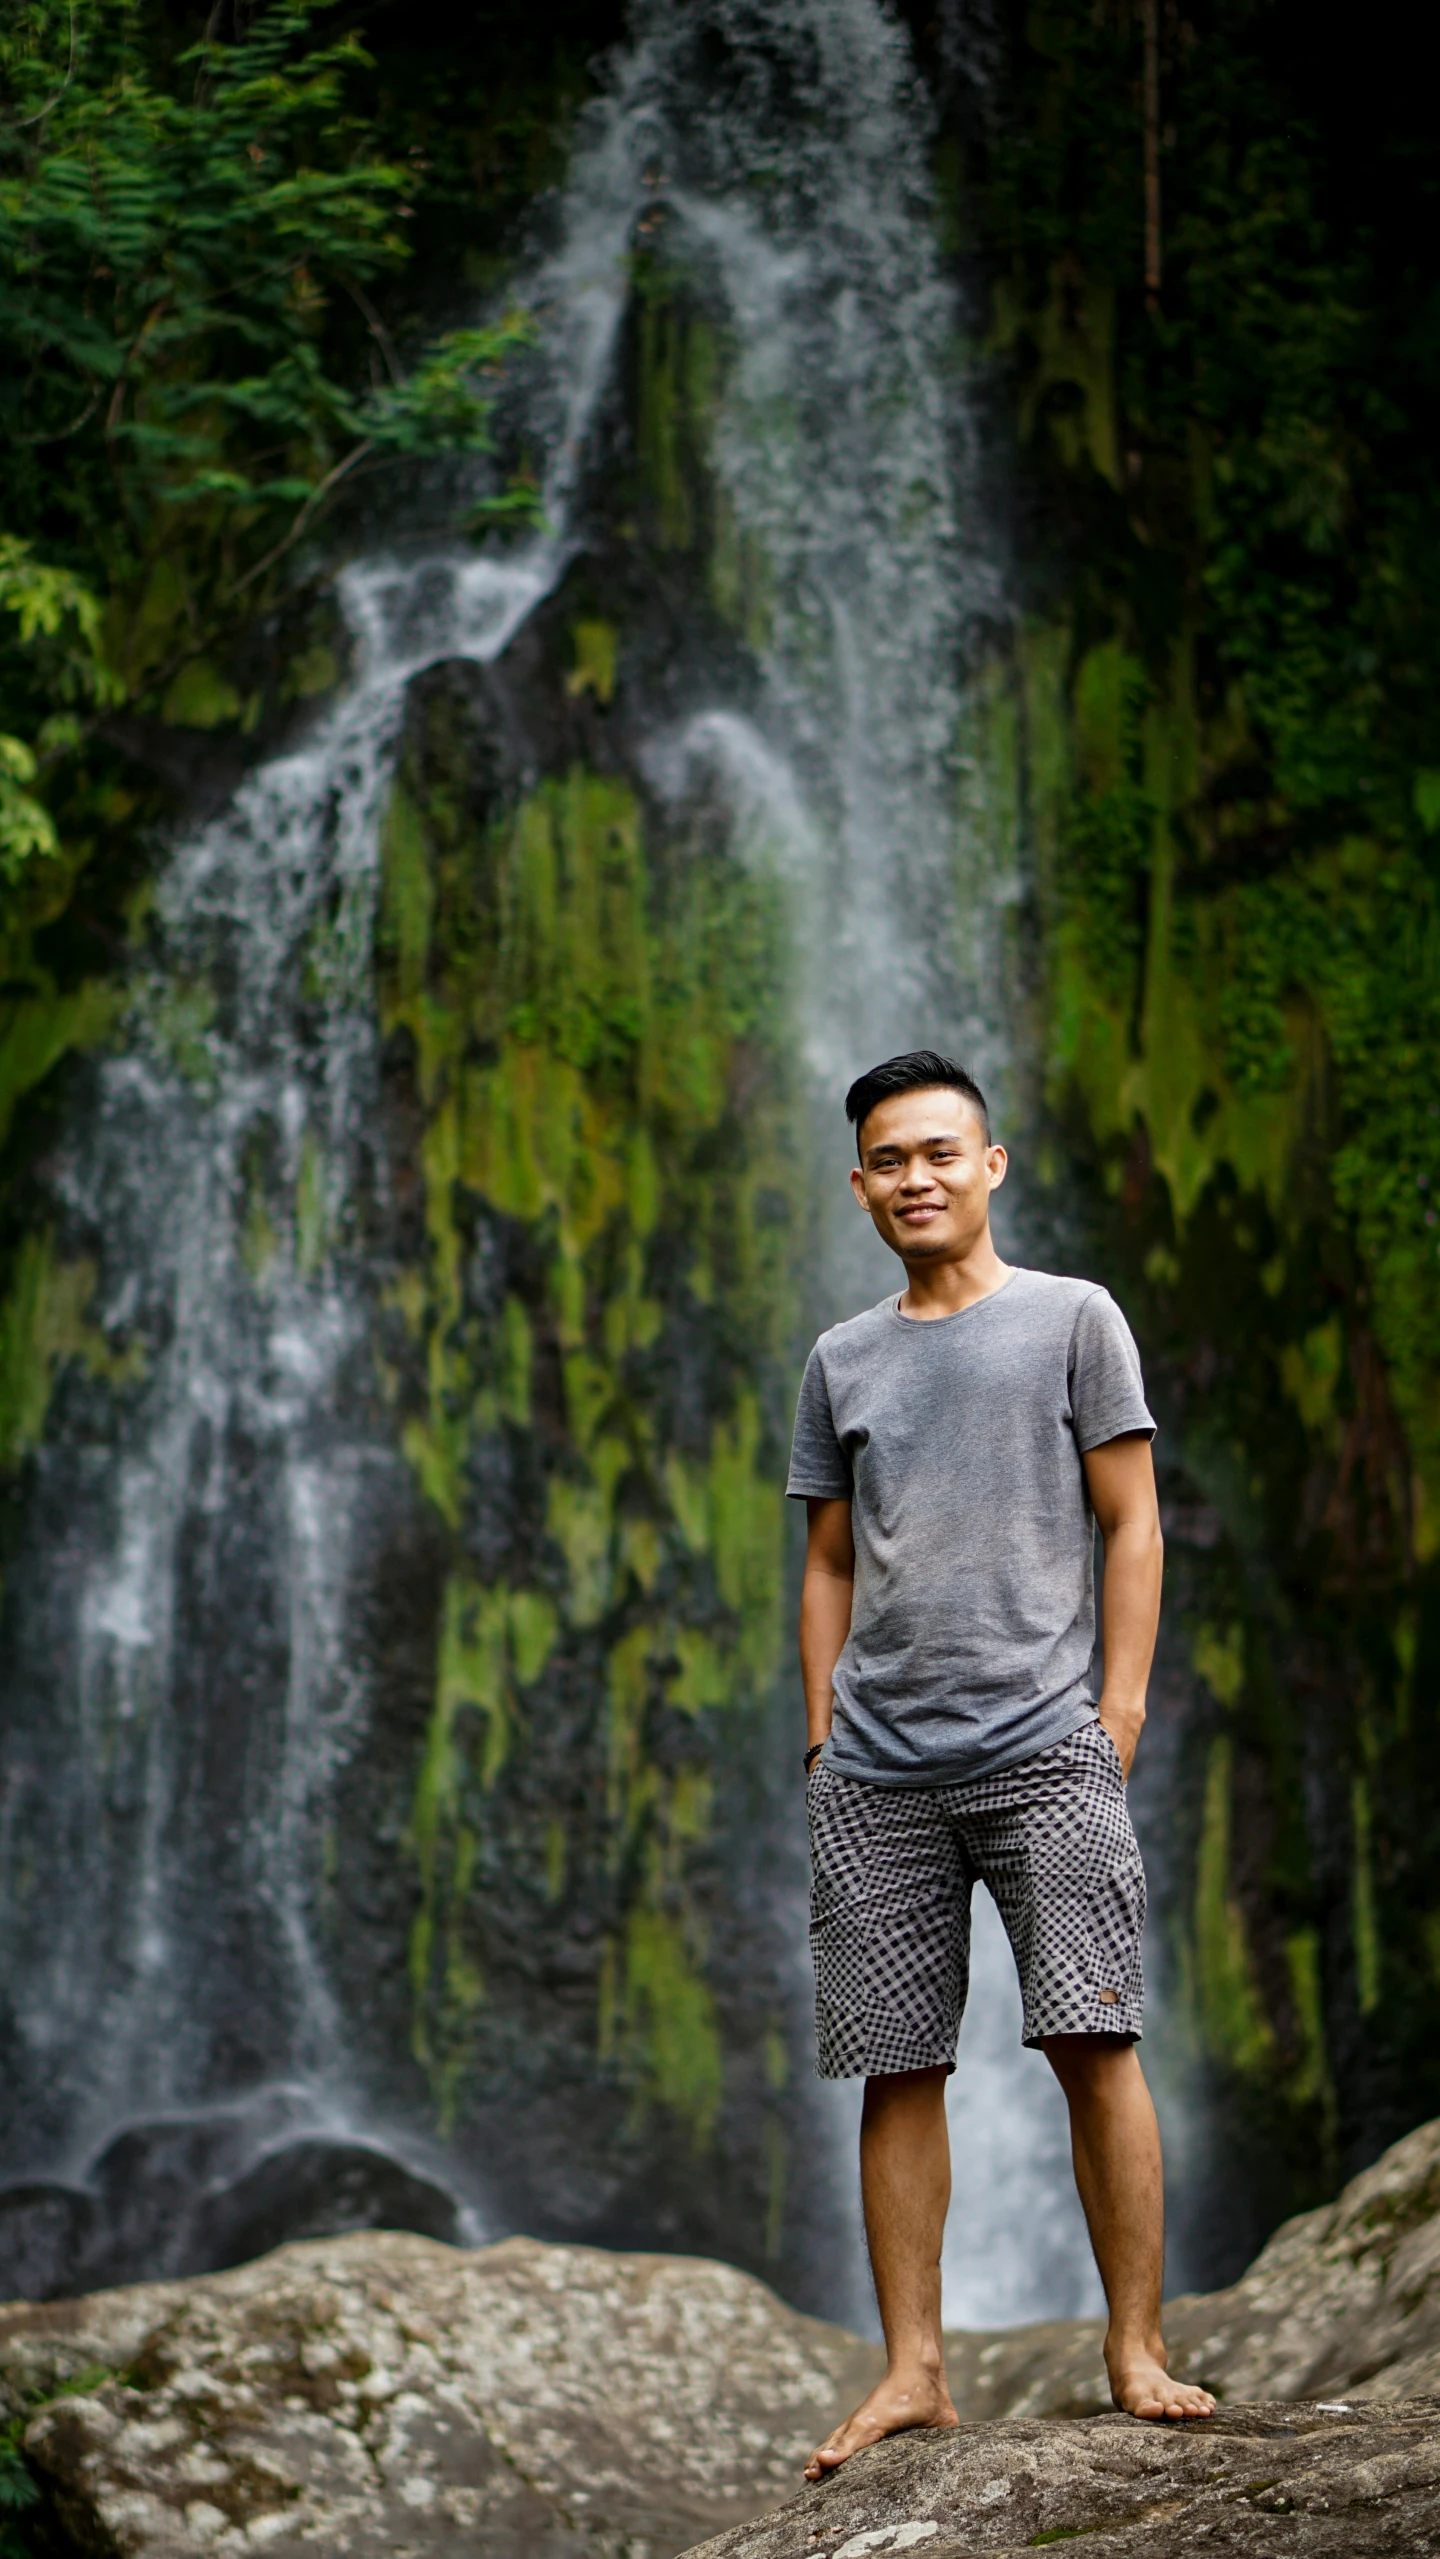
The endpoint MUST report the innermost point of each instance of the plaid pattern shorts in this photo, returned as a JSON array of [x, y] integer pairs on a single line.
[[893, 1871]]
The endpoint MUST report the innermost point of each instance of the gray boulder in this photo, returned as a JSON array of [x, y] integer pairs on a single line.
[[386, 2392], [1299, 2481]]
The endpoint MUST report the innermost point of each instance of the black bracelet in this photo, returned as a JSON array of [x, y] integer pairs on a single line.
[[812, 1755]]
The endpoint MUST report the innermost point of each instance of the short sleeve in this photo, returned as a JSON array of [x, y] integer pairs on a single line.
[[1107, 1390], [819, 1468]]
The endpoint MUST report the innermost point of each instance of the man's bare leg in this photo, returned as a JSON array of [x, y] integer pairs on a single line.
[[1115, 2141], [905, 2183]]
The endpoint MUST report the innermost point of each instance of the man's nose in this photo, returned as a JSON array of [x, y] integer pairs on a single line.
[[917, 1176]]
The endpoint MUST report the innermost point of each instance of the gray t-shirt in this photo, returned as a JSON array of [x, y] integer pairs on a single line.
[[957, 1442]]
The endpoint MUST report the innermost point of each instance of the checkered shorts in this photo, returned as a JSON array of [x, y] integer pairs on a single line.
[[894, 1867]]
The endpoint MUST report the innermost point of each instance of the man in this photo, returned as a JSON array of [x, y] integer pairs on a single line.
[[954, 1447]]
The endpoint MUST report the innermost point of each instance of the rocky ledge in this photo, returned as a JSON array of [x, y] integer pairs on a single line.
[[1303, 2481]]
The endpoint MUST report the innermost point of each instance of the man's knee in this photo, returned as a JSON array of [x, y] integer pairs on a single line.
[[1083, 2063], [887, 2091]]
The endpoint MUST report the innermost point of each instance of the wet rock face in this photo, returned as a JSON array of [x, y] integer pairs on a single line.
[[386, 2392], [1274, 2478]]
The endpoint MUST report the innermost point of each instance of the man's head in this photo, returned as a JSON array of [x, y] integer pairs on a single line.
[[927, 1163]]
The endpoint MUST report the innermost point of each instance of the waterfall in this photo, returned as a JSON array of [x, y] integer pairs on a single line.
[[171, 1770], [190, 1672]]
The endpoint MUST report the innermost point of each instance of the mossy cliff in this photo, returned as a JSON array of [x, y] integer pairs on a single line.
[[586, 1334], [1213, 734]]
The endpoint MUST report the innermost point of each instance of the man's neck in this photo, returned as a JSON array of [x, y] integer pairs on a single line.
[[944, 1287]]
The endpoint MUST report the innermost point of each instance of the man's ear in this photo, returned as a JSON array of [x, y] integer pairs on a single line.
[[857, 1185], [998, 1163]]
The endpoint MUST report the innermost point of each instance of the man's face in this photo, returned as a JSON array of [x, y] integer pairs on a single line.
[[926, 1174]]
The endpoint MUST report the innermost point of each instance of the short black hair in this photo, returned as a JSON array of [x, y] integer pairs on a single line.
[[912, 1073]]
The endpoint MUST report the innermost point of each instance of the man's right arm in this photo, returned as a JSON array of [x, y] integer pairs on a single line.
[[826, 1597]]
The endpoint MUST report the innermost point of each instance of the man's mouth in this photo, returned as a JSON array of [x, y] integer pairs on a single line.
[[923, 1211]]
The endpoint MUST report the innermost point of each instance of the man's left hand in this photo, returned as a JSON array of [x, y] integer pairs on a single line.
[[1123, 1724]]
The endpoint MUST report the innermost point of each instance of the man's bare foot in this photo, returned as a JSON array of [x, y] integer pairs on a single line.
[[914, 2398], [1143, 2388]]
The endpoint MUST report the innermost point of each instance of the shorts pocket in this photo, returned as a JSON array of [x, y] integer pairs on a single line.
[[1108, 1750], [841, 1815]]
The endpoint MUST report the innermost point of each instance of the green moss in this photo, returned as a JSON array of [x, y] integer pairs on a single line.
[[742, 584], [1365, 1933], [517, 1353], [312, 1212], [594, 668], [704, 1676], [574, 1011], [747, 1539], [1219, 1656], [1073, 340], [37, 1030], [677, 392], [1310, 2081], [313, 671], [494, 1643], [42, 1325], [407, 902], [670, 2012], [200, 697], [179, 1022], [1232, 2015], [1311, 1371]]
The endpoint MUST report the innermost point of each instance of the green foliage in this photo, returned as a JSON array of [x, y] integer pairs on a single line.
[[194, 363], [58, 628], [1231, 773], [1271, 561], [19, 2491], [17, 2484], [172, 241], [1111, 830]]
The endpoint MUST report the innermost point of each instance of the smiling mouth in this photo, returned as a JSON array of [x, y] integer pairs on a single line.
[[926, 1208]]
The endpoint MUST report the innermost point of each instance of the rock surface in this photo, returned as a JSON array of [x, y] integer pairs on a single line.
[[384, 2391], [1304, 2481], [1344, 2302]]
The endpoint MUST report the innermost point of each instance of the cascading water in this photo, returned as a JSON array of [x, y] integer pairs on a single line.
[[178, 1885], [190, 1648]]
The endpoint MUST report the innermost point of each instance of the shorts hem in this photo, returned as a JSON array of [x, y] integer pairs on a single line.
[[1123, 2028], [888, 2068]]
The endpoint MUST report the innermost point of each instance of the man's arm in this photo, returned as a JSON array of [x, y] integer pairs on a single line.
[[1121, 1478], [826, 1597]]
